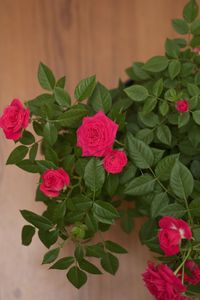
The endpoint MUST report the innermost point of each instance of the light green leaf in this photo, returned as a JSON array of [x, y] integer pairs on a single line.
[[180, 26], [174, 68], [196, 116], [137, 92], [50, 133], [85, 88], [158, 87], [156, 64], [73, 117], [149, 105], [46, 77], [190, 11], [164, 166], [101, 99], [62, 97]]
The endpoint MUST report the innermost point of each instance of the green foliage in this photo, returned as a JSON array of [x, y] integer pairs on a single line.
[[161, 177]]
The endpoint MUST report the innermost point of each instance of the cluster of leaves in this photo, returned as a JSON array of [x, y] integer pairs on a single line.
[[161, 178]]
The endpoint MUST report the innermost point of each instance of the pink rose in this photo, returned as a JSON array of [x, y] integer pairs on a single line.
[[54, 181], [193, 276], [182, 106], [114, 161], [171, 233], [197, 50], [163, 284], [96, 135], [14, 119]]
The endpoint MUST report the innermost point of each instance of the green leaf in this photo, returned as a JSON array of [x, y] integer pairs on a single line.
[[114, 247], [36, 220], [17, 155], [195, 207], [44, 165], [77, 277], [61, 82], [137, 92], [174, 68], [62, 97], [28, 232], [180, 26], [181, 180], [50, 154], [139, 152], [94, 175], [158, 88], [149, 120], [196, 116], [89, 267], [149, 105], [28, 165], [183, 119], [110, 263], [63, 263], [195, 27], [174, 210], [27, 138], [85, 88], [101, 99], [33, 152], [190, 11], [159, 201], [164, 134], [46, 77], [50, 256], [79, 252], [126, 222], [95, 250], [140, 185], [193, 89], [112, 184], [156, 64], [73, 117], [91, 223], [163, 107], [172, 49], [48, 238], [105, 212], [146, 135], [50, 133], [164, 166], [128, 173]]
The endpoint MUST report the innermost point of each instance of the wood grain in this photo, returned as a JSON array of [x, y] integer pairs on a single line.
[[77, 38]]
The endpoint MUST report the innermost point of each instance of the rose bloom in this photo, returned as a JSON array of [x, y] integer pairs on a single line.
[[163, 284], [14, 119], [193, 277], [96, 135], [114, 161], [197, 50], [171, 233], [53, 182], [182, 106]]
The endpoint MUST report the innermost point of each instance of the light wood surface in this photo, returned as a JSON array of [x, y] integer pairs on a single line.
[[77, 38]]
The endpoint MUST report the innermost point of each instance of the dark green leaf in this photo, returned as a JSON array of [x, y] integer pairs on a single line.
[[101, 99], [50, 256], [50, 133], [115, 248], [63, 263], [164, 134], [174, 68], [77, 277], [33, 152], [28, 232], [180, 26], [89, 267], [140, 185], [48, 238], [73, 117], [164, 166], [190, 11], [17, 155], [105, 212], [28, 165], [36, 220], [94, 175], [85, 88], [27, 138], [62, 97], [110, 263]]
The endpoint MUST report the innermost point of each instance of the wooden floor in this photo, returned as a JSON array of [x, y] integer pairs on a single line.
[[77, 38]]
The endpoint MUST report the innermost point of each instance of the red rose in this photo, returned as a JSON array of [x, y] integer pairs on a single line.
[[163, 284], [54, 181], [193, 275], [182, 106], [114, 161], [171, 233], [14, 119], [96, 135]]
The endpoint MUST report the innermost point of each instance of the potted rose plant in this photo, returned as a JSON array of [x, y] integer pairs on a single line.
[[138, 145]]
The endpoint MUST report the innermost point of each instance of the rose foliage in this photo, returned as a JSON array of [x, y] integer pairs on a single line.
[[110, 155]]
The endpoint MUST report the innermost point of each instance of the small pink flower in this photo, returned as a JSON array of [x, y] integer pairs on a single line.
[[14, 119], [53, 182], [182, 106], [96, 135], [197, 50], [114, 161], [163, 284], [171, 233]]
